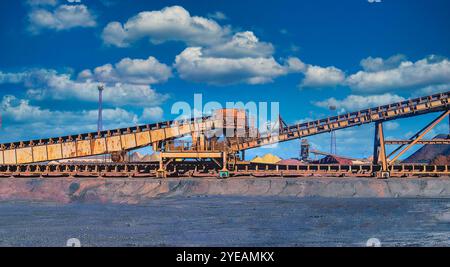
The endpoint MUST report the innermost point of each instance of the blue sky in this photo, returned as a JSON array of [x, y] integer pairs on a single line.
[[306, 55]]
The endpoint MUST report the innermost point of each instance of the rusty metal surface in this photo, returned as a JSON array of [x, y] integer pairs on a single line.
[[404, 109], [19, 158], [89, 144], [209, 169], [436, 141]]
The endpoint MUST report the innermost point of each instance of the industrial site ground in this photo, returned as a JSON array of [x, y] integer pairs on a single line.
[[235, 212], [230, 221]]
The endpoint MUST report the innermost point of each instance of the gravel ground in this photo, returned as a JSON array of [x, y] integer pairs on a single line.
[[230, 221]]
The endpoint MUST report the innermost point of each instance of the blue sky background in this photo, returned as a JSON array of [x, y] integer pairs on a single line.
[[43, 40]]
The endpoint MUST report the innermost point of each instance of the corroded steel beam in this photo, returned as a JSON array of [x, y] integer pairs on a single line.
[[191, 155], [437, 141], [90, 144], [404, 109], [211, 169], [159, 134], [421, 135]]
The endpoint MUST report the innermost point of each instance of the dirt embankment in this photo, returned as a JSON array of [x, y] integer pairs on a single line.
[[118, 190]]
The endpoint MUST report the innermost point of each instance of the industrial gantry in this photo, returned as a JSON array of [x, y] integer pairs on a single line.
[[215, 146]]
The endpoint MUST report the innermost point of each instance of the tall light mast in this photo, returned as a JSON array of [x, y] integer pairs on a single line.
[[100, 100]]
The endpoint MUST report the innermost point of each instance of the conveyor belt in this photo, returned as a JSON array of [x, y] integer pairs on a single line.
[[97, 143], [110, 141], [404, 109]]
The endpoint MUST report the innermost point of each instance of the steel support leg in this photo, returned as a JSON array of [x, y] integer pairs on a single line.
[[379, 151], [224, 173], [161, 172]]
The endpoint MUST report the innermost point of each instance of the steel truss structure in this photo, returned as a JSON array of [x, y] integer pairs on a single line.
[[209, 169], [211, 154]]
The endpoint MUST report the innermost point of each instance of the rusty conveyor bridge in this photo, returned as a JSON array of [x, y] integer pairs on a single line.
[[208, 154]]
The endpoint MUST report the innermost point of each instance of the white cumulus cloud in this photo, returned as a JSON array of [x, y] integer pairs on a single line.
[[132, 71], [23, 120], [49, 84], [426, 72], [372, 64], [218, 15], [169, 24], [432, 89], [427, 75], [193, 65], [151, 114], [215, 54], [316, 76], [357, 102], [242, 44], [63, 17]]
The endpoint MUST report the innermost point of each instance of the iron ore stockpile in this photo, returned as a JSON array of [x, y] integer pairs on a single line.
[[198, 147]]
